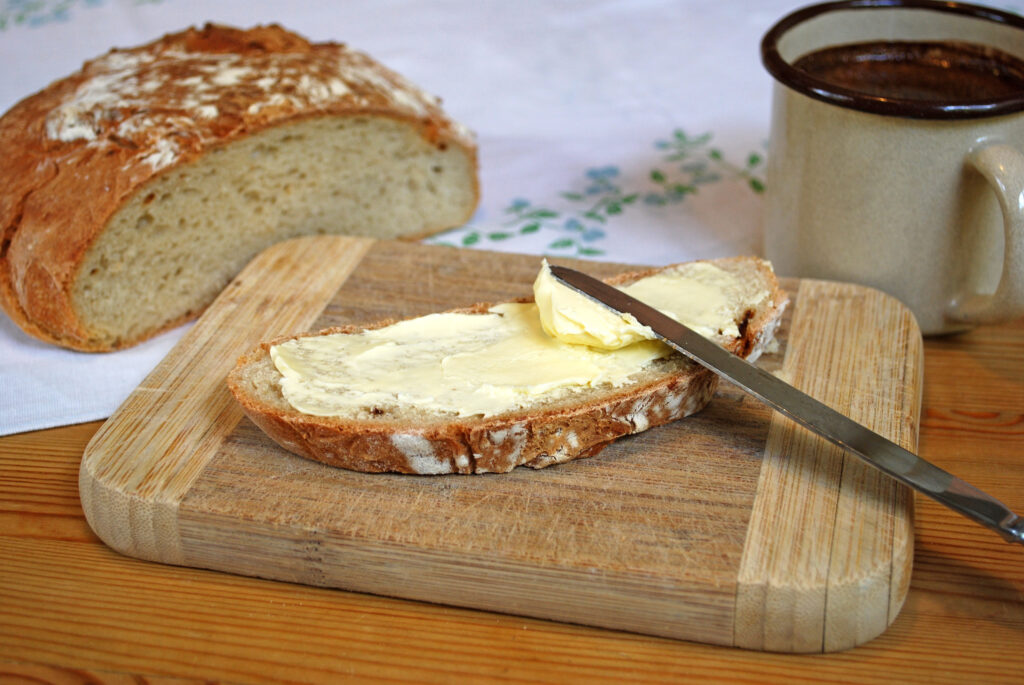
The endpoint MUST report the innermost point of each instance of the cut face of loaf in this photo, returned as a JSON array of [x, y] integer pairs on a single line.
[[182, 237], [403, 436], [134, 190]]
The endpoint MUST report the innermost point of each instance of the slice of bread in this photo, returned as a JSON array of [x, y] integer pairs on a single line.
[[545, 431], [132, 191]]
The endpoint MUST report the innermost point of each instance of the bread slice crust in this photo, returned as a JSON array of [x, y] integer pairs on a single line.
[[554, 432], [88, 145]]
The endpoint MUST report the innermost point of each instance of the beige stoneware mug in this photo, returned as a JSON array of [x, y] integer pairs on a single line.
[[885, 172]]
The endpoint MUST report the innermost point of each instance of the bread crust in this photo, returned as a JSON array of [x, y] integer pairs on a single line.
[[81, 148], [534, 437]]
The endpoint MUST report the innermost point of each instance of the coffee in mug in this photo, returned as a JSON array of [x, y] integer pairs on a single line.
[[936, 72], [895, 157]]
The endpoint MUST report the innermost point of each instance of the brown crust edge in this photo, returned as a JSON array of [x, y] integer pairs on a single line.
[[537, 438]]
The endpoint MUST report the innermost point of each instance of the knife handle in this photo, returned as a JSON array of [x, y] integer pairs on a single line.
[[979, 506]]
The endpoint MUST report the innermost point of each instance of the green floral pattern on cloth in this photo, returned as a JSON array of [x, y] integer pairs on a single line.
[[34, 13], [578, 224]]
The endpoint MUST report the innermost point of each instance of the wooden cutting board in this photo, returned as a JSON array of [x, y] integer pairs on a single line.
[[733, 527]]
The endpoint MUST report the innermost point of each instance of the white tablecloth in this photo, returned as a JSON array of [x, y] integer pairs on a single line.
[[626, 130]]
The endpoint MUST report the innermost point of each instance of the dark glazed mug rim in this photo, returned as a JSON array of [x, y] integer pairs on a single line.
[[804, 83]]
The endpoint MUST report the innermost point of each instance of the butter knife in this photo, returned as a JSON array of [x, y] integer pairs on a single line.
[[879, 452]]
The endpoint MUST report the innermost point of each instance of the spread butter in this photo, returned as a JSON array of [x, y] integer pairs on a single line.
[[508, 357]]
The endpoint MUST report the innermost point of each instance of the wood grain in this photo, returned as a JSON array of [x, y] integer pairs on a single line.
[[815, 503], [671, 532], [63, 601]]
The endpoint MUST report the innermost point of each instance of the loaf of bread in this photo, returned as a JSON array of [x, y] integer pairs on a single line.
[[132, 191], [384, 428]]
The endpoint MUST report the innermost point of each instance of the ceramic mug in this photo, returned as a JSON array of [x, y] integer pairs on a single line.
[[918, 195]]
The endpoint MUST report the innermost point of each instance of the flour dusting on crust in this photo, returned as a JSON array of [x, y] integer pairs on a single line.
[[199, 84]]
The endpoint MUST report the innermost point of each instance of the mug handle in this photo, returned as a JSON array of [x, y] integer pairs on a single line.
[[1003, 167]]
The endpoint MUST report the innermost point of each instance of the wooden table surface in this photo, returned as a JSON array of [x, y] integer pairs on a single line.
[[73, 611]]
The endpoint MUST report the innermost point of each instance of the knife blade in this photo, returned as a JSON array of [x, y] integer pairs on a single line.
[[879, 452]]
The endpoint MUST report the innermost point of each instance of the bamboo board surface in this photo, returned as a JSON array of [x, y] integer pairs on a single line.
[[731, 527]]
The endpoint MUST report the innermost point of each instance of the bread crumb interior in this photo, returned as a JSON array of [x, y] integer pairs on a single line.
[[173, 247]]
